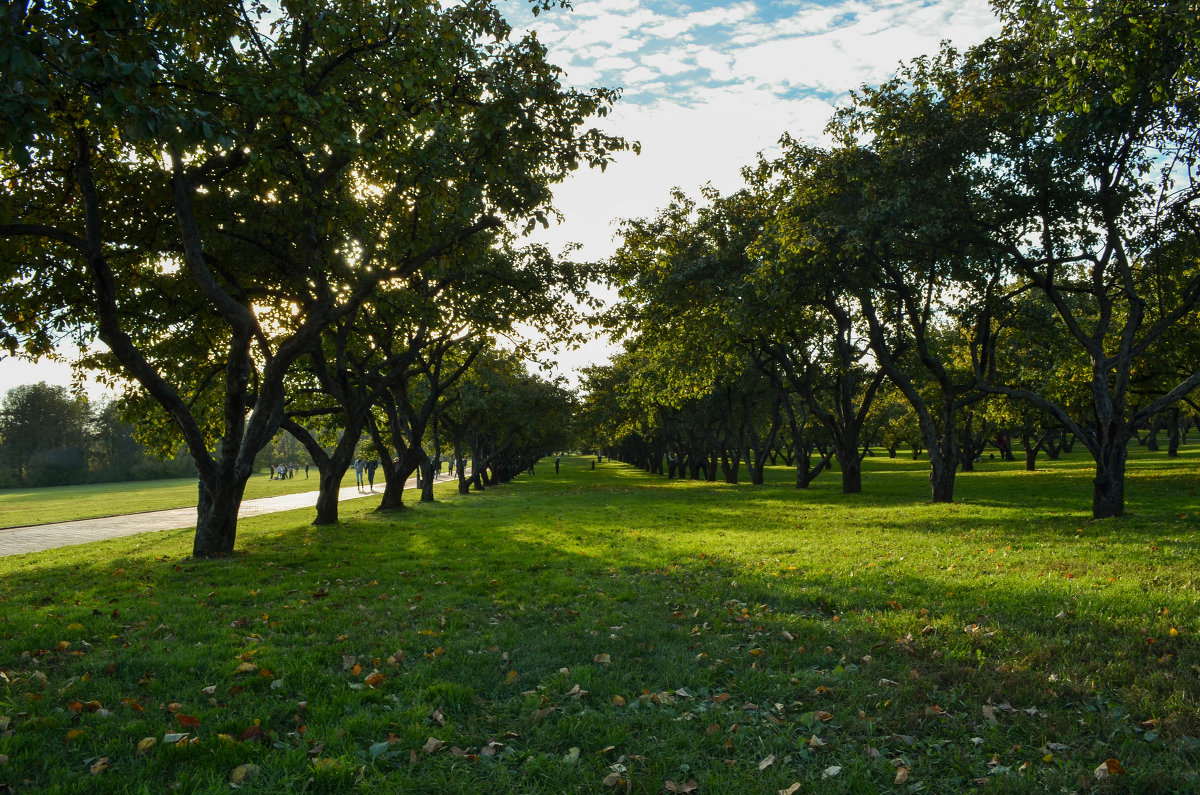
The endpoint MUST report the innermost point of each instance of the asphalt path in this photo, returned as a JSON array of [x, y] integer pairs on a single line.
[[35, 538]]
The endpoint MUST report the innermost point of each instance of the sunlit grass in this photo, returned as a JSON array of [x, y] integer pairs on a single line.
[[747, 638], [89, 501]]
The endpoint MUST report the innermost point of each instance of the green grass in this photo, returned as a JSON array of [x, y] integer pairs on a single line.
[[64, 503], [1005, 643]]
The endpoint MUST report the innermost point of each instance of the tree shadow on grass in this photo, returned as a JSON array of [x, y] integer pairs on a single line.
[[698, 606]]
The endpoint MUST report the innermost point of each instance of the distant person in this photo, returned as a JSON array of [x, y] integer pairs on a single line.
[[371, 465], [281, 471], [271, 472], [557, 461], [306, 471], [359, 465]]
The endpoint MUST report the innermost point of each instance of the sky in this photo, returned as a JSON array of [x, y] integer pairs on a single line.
[[707, 85]]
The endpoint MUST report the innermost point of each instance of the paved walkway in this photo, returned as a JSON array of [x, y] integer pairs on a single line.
[[35, 538]]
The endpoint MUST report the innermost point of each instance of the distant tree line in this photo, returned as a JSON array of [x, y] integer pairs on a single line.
[[49, 437]]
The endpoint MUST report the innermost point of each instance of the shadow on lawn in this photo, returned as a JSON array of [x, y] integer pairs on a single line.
[[534, 579]]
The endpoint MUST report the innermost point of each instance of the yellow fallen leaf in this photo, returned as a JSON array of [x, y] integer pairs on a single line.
[[901, 775], [73, 733], [602, 659], [99, 766], [618, 701], [512, 677], [145, 744], [243, 773], [246, 668]]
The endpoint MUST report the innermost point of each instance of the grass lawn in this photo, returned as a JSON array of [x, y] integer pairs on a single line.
[[64, 503], [611, 631]]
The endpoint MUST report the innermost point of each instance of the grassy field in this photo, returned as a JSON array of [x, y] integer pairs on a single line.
[[64, 503], [610, 631]]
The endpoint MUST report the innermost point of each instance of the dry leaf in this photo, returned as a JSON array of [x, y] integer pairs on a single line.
[[602, 659], [816, 742], [989, 712], [375, 679], [243, 773], [612, 780], [764, 764], [254, 732], [792, 790], [901, 775], [831, 771], [145, 744], [245, 668], [618, 701], [689, 786], [99, 766], [432, 745], [189, 721], [512, 677]]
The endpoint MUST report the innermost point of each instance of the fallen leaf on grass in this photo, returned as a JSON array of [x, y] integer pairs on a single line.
[[432, 745], [99, 766], [901, 775], [73, 733], [243, 773], [816, 742], [576, 692], [245, 668], [764, 764], [612, 780], [689, 786], [145, 744], [989, 712], [792, 790], [618, 701], [208, 691], [831, 771], [254, 732], [513, 676], [602, 659], [1109, 767], [375, 679], [188, 721]]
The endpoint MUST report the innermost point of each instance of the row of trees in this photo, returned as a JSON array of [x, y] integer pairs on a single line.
[[282, 216], [1006, 238], [49, 437]]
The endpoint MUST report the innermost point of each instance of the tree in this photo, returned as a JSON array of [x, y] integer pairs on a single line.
[[1095, 113], [205, 187], [44, 434]]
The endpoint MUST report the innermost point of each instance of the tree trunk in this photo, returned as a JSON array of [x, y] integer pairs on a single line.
[[941, 478], [1173, 433], [1108, 488], [218, 501], [427, 474], [327, 496], [851, 466], [1031, 452]]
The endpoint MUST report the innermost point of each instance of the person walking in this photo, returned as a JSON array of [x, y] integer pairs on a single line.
[[371, 473], [359, 465]]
